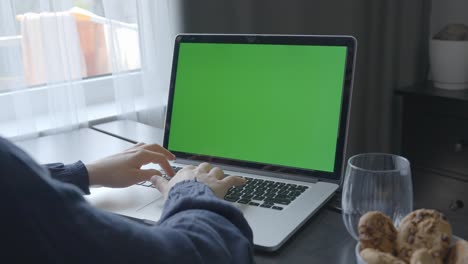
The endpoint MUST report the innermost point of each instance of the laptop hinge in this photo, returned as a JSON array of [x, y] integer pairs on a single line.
[[279, 175]]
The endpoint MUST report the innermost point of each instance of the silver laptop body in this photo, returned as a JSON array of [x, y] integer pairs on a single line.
[[274, 214]]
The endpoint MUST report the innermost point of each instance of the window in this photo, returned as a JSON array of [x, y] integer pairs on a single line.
[[99, 40], [105, 45], [67, 62]]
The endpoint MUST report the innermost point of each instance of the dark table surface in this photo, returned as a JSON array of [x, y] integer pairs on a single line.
[[322, 239]]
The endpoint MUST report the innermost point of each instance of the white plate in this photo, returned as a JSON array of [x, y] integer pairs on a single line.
[[359, 260]]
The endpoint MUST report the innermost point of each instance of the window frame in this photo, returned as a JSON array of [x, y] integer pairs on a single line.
[[99, 89]]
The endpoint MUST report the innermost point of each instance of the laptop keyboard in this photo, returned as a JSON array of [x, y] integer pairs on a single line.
[[258, 192], [149, 184], [265, 193]]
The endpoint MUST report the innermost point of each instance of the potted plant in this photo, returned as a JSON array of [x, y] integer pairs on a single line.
[[449, 57]]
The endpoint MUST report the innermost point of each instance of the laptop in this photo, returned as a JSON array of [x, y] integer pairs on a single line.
[[271, 108]]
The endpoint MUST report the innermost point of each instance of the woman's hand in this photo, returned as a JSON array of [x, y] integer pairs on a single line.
[[124, 169], [212, 177]]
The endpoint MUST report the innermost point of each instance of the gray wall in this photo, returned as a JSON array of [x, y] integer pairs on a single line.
[[448, 11], [268, 16], [391, 52]]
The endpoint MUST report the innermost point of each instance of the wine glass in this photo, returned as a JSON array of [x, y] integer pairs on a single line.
[[376, 182]]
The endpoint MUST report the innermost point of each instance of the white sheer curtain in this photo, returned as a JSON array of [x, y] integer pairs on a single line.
[[156, 33], [159, 24], [12, 78], [62, 65]]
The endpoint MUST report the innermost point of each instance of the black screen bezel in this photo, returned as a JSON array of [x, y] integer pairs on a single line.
[[343, 41]]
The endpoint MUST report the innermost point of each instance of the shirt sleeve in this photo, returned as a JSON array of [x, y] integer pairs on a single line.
[[75, 174], [53, 221]]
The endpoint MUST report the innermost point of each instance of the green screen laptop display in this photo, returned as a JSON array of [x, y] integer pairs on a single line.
[[263, 103]]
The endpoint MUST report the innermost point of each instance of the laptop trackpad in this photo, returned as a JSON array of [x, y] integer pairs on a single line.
[[152, 211], [126, 201]]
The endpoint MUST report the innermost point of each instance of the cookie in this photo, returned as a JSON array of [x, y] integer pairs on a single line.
[[422, 256], [374, 256], [376, 231], [424, 228], [459, 253]]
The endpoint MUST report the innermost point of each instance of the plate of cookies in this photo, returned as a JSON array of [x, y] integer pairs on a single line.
[[423, 236]]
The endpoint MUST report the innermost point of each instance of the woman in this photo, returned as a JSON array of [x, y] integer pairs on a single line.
[[47, 220]]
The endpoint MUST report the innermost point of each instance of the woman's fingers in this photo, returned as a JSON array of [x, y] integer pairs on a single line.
[[204, 167], [161, 184], [145, 175], [233, 181], [134, 147], [144, 157], [217, 173], [159, 149]]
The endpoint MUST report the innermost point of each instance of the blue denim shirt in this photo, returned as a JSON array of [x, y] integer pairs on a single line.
[[45, 219]]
